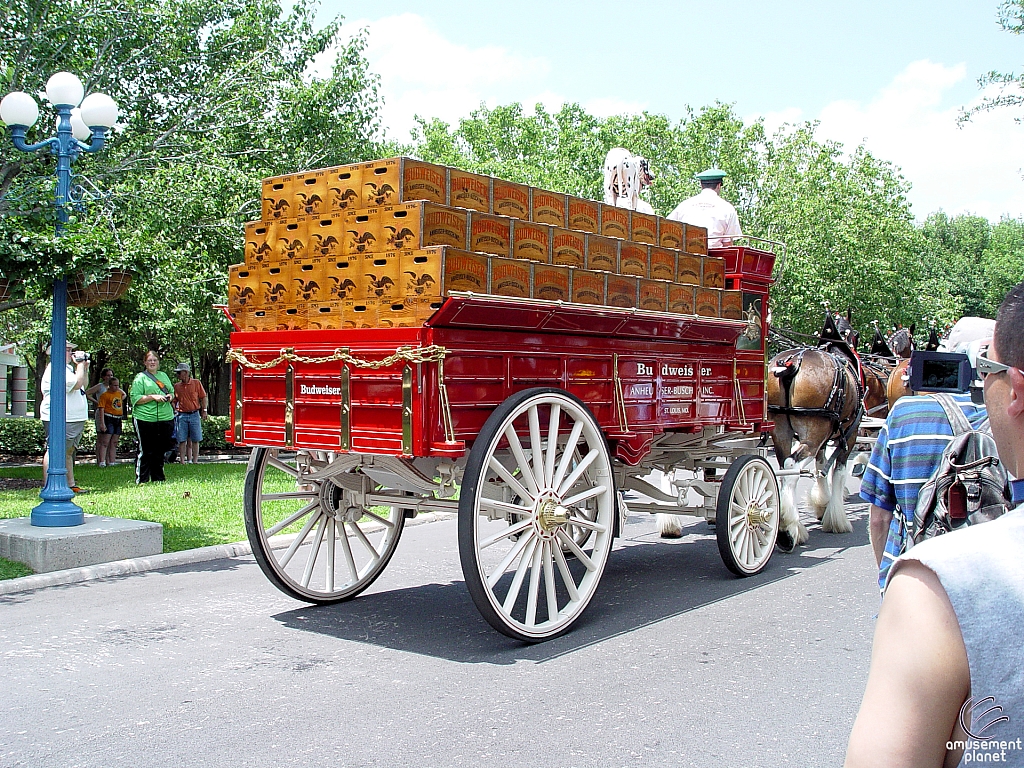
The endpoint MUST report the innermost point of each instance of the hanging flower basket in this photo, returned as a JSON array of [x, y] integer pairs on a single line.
[[81, 294], [113, 286]]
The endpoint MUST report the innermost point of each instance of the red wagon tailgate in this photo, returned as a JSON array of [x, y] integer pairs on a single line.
[[330, 390]]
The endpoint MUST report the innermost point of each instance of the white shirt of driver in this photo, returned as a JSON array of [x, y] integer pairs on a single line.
[[709, 210], [76, 407]]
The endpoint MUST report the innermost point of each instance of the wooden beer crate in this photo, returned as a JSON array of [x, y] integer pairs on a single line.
[[671, 234], [568, 248], [689, 269], [509, 277], [469, 190], [589, 287], [696, 239], [548, 208], [490, 234], [551, 282], [663, 263], [681, 299], [363, 232], [583, 215], [714, 272], [732, 305], [643, 228], [288, 238], [602, 253], [309, 193], [277, 198], [622, 291], [257, 249], [614, 222], [530, 241], [325, 235], [708, 302], [510, 199], [343, 190], [653, 295], [634, 259]]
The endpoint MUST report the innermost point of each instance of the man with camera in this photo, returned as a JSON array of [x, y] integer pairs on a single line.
[[946, 684], [76, 409], [908, 449]]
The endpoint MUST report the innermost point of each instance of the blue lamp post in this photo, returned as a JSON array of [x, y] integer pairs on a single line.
[[75, 125]]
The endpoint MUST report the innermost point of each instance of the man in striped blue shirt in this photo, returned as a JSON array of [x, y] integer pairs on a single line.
[[908, 450]]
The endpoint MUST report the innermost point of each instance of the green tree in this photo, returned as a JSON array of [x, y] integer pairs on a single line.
[[214, 96]]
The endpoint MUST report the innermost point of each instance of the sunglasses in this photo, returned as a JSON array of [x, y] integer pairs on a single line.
[[987, 366]]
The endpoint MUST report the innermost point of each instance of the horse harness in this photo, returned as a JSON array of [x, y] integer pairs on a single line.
[[787, 369]]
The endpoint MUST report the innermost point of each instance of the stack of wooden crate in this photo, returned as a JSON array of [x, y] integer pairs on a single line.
[[381, 244]]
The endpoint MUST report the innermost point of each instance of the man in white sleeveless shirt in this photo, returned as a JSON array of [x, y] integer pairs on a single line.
[[709, 210], [946, 685]]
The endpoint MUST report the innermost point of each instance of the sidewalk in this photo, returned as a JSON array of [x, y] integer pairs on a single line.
[[156, 562]]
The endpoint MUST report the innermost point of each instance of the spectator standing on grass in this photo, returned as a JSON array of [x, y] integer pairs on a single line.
[[93, 394], [191, 401], [151, 395], [946, 685], [76, 411], [110, 410]]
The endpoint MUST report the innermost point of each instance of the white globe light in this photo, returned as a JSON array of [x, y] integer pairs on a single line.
[[100, 110], [78, 127], [18, 108], [65, 88]]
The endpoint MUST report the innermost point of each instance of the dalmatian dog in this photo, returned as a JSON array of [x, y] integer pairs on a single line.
[[625, 176]]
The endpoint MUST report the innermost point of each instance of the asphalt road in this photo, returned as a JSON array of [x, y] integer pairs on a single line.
[[676, 663]]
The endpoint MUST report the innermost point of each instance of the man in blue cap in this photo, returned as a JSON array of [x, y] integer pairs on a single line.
[[709, 210]]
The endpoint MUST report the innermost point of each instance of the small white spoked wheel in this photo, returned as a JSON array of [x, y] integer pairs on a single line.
[[747, 515], [536, 514], [308, 538]]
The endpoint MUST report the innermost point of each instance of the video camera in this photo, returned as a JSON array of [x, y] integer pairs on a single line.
[[80, 357], [949, 372]]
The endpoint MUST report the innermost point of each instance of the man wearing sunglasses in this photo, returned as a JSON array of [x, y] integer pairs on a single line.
[[946, 682]]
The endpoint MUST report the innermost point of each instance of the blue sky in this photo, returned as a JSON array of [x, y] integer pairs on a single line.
[[893, 75]]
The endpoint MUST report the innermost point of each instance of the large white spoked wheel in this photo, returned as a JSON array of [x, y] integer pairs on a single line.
[[536, 514], [747, 515], [311, 541]]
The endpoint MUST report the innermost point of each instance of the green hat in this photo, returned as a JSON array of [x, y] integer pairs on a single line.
[[711, 174]]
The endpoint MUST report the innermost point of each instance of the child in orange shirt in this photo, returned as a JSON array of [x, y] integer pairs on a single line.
[[110, 410]]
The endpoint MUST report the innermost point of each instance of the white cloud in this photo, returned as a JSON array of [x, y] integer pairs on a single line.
[[423, 73], [973, 169]]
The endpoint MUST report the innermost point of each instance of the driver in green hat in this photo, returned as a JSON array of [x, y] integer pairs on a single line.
[[709, 210]]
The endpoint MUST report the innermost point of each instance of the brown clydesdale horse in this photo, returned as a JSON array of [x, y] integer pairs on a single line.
[[814, 396], [899, 380]]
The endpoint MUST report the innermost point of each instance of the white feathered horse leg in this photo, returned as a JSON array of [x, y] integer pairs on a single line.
[[790, 516], [835, 520], [820, 493], [668, 525]]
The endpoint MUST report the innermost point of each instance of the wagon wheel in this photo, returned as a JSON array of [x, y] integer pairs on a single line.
[[538, 473], [308, 539], [747, 515]]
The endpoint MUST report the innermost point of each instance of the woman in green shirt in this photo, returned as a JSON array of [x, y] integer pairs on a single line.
[[151, 395]]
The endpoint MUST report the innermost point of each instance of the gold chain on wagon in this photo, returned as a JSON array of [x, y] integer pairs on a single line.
[[341, 354]]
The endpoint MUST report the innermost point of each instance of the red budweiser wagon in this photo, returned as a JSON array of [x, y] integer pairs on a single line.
[[535, 421]]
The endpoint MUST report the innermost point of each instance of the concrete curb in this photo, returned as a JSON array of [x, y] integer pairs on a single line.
[[157, 562]]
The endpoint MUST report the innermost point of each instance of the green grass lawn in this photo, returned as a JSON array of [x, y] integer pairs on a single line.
[[198, 505]]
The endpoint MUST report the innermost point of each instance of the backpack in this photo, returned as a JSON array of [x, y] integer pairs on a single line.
[[968, 487]]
